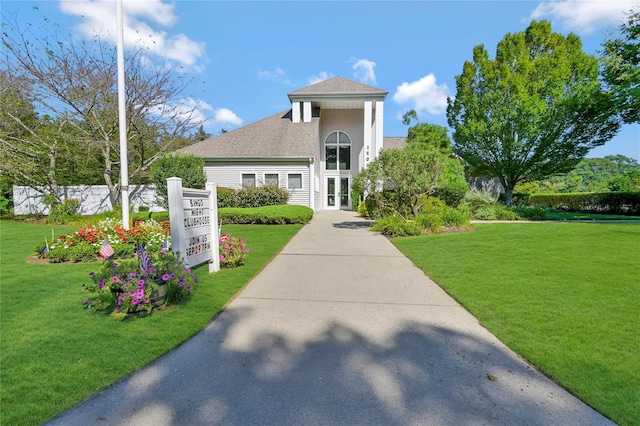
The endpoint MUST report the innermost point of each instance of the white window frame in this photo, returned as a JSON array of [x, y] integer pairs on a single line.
[[277, 175], [301, 181], [337, 146], [242, 180]]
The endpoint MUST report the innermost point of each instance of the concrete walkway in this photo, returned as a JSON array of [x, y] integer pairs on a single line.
[[339, 329]]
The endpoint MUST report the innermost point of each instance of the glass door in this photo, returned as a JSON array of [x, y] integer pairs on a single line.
[[337, 193], [344, 193], [331, 192]]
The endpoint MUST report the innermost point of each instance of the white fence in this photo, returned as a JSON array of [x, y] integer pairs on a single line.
[[93, 199]]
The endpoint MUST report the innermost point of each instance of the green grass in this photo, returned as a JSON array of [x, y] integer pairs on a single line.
[[565, 296], [587, 216], [56, 354]]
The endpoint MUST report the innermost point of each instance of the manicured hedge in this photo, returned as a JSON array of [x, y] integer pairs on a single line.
[[268, 215], [605, 202], [252, 197]]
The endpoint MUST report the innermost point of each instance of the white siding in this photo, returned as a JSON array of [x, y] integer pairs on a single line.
[[229, 174]]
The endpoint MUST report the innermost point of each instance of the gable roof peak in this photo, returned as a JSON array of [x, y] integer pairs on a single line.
[[338, 86]]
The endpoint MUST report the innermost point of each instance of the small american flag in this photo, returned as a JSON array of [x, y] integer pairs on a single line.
[[106, 251], [165, 247], [143, 257]]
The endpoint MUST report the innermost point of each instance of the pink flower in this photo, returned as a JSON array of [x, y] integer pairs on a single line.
[[134, 301], [115, 279], [85, 301]]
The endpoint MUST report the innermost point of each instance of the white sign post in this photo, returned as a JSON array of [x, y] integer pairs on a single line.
[[193, 216]]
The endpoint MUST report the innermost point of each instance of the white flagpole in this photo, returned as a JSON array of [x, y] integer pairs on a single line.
[[124, 162]]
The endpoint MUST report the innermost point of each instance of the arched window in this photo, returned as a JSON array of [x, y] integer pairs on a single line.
[[337, 149]]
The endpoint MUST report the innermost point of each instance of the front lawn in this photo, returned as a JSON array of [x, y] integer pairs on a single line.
[[55, 353], [565, 296]]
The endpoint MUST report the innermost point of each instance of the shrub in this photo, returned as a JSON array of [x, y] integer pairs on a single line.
[[268, 215], [232, 251], [362, 209], [261, 196], [453, 218], [82, 253], [188, 167], [226, 197], [603, 202], [531, 213], [62, 212], [430, 222], [396, 226]]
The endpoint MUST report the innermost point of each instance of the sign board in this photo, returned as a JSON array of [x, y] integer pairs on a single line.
[[193, 216]]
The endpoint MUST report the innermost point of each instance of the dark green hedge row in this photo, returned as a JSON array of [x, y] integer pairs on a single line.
[[605, 202], [268, 215], [252, 197], [281, 214]]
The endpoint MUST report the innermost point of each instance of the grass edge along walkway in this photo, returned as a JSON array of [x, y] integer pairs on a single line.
[[56, 354], [564, 296]]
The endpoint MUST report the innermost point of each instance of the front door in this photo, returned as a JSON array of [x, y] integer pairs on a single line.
[[337, 193]]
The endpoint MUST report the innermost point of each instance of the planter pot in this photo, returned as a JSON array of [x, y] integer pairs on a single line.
[[159, 296]]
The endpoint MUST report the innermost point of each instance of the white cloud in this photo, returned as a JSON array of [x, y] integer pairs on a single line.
[[276, 75], [271, 75], [322, 76], [225, 115], [99, 17], [363, 70], [425, 95], [198, 111], [585, 16]]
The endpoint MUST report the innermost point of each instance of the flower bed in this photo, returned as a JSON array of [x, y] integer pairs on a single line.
[[84, 245], [128, 286]]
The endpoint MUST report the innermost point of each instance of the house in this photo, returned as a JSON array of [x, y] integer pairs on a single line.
[[332, 131]]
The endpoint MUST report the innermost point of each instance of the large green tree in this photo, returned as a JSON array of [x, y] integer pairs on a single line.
[[534, 111], [621, 68]]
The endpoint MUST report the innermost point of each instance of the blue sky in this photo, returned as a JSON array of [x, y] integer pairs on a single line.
[[246, 56]]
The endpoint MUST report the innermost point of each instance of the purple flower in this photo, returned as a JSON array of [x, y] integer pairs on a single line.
[[85, 301], [140, 294], [121, 297], [189, 287], [222, 257], [181, 284], [101, 284], [140, 282], [165, 277], [133, 293], [146, 300], [115, 265], [115, 279], [134, 301], [187, 270], [172, 276], [92, 274]]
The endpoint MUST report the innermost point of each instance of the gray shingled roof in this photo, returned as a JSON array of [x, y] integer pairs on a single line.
[[273, 137], [337, 86], [390, 142]]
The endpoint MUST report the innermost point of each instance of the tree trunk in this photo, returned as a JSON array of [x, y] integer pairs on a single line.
[[508, 194]]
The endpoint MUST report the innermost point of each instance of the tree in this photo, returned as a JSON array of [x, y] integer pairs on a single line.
[[453, 185], [74, 83], [188, 167], [427, 134], [534, 111], [200, 134], [412, 172], [621, 68]]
